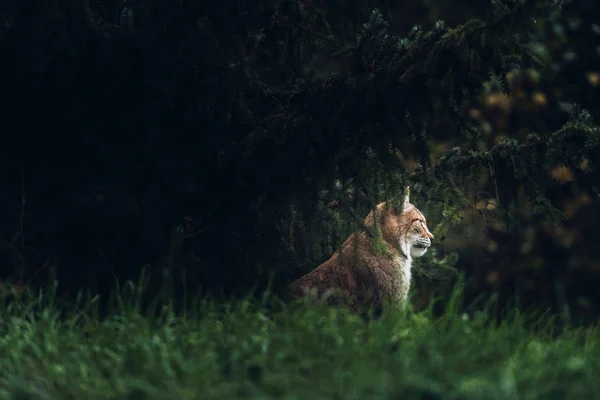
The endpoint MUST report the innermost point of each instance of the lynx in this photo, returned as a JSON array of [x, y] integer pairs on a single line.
[[368, 274]]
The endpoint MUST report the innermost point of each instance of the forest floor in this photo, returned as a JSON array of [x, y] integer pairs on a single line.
[[243, 350]]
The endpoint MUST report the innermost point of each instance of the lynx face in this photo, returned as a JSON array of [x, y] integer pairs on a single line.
[[406, 227], [418, 236]]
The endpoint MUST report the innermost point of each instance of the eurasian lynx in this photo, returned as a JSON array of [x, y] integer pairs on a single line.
[[361, 275]]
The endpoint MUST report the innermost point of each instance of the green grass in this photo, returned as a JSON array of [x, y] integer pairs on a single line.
[[243, 350]]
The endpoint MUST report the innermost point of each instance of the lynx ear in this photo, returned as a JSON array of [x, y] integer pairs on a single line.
[[407, 204]]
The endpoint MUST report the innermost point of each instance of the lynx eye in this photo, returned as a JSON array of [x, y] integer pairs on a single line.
[[418, 225]]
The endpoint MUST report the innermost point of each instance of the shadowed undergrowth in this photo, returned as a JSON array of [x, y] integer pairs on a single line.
[[261, 349]]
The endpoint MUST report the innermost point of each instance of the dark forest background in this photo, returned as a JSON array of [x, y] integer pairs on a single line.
[[225, 145]]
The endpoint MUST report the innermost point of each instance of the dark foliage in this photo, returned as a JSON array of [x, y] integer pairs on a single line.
[[213, 141]]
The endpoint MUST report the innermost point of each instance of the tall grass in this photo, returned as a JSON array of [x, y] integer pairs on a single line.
[[263, 349]]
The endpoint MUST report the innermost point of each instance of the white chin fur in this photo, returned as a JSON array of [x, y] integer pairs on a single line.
[[418, 251]]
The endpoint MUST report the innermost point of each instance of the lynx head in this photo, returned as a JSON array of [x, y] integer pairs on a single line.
[[403, 227]]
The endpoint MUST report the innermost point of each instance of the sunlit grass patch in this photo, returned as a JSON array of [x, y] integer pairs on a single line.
[[245, 349]]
